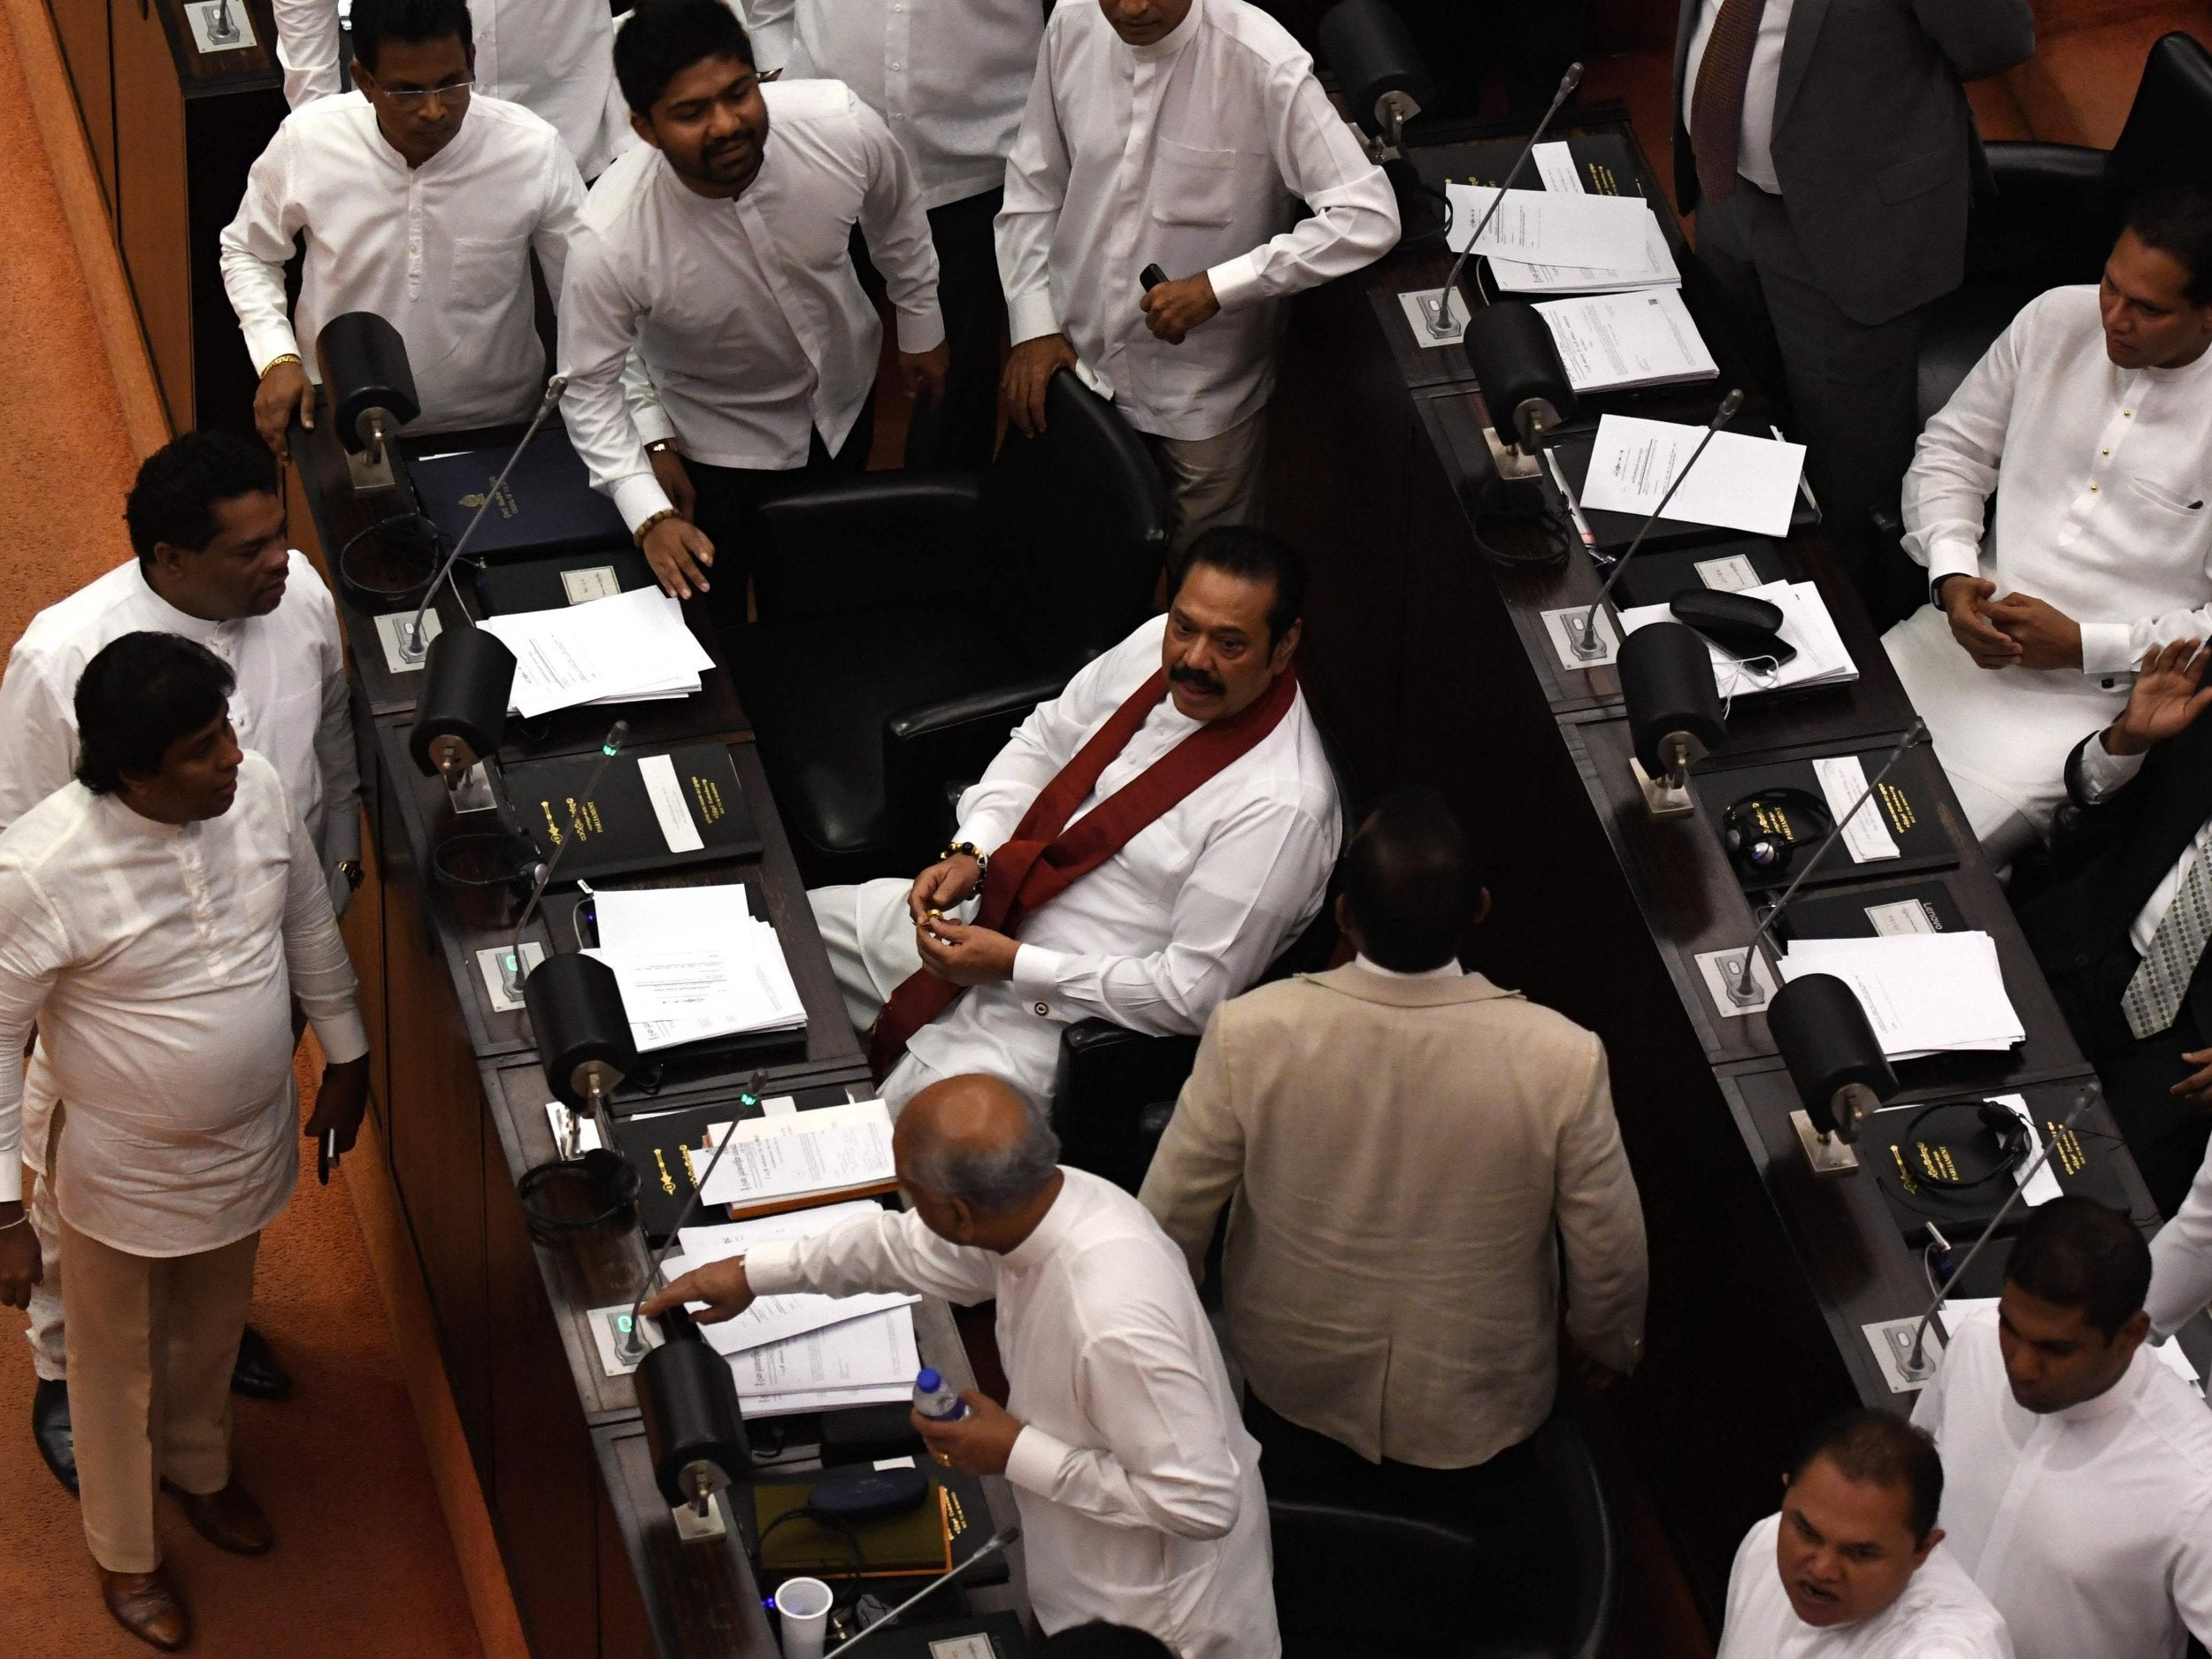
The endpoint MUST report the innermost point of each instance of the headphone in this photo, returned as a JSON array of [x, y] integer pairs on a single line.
[[2008, 1128], [1764, 829]]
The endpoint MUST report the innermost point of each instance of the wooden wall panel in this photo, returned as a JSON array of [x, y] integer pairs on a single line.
[[81, 25], [151, 198]]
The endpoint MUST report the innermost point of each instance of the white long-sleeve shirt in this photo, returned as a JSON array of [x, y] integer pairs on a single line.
[[555, 57], [751, 324], [1188, 153], [1139, 1487], [949, 76], [2103, 478], [1940, 1614], [160, 963], [2090, 1528], [1186, 915], [1754, 143], [441, 251], [2181, 1259]]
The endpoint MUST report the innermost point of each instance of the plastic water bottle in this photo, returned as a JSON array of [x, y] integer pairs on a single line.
[[936, 1399]]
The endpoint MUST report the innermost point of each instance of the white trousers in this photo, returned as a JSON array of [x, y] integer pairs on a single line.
[[870, 939]]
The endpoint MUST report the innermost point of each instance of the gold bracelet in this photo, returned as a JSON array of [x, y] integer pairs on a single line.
[[278, 361], [639, 534]]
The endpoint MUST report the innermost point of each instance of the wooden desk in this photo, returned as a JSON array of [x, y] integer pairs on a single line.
[[173, 130], [590, 1548], [1431, 663]]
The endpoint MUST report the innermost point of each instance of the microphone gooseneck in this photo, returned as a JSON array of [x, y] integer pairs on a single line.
[[1742, 989], [1582, 632], [632, 1338], [1441, 324], [617, 735], [412, 647]]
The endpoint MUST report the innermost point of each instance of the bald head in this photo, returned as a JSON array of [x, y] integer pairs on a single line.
[[973, 1148]]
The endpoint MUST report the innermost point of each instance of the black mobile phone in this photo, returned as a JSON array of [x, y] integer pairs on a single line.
[[1151, 276]]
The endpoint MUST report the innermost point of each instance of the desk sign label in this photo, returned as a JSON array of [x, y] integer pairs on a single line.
[[667, 796]]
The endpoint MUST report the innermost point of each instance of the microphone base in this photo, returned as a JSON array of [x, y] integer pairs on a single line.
[[1829, 1155], [473, 792], [371, 476], [1891, 1342], [1662, 798], [1722, 970], [1564, 628], [1424, 308]]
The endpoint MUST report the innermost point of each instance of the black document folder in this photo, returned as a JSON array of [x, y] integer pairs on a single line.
[[1906, 802], [623, 831], [547, 504], [1656, 574], [572, 579], [1601, 158], [1906, 1145], [664, 1149]]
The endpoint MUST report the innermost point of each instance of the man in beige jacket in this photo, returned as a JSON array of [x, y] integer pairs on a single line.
[[1401, 1139]]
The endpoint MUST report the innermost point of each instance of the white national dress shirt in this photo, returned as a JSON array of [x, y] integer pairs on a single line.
[[160, 963], [1940, 1615], [441, 251], [1754, 143], [950, 76], [2090, 1528], [1188, 914], [1186, 153], [1138, 1485], [555, 57], [751, 324], [2101, 476], [2181, 1258]]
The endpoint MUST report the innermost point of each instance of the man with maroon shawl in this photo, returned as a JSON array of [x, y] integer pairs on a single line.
[[1139, 851]]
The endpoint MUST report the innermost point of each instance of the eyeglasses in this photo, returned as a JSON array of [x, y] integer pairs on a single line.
[[452, 92]]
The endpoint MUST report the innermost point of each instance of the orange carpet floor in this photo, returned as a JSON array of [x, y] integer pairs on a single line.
[[363, 1566]]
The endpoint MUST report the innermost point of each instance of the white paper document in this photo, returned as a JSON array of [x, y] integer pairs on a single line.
[[630, 648], [1608, 342], [1739, 483], [1552, 226], [692, 964], [1652, 265], [827, 1151], [1554, 164], [1843, 779], [779, 1318], [1923, 992], [1822, 658]]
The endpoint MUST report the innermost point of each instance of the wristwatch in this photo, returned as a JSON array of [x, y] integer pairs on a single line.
[[351, 869]]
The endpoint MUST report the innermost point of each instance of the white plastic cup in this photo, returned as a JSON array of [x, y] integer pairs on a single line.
[[803, 1604]]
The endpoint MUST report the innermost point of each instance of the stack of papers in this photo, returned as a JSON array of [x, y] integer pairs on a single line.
[[798, 1157], [1552, 227], [693, 964], [1822, 658], [1923, 992], [629, 648], [1610, 342], [1653, 267], [780, 1319], [1738, 483]]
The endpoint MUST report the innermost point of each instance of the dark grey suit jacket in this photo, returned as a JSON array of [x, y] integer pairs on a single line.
[[1873, 143]]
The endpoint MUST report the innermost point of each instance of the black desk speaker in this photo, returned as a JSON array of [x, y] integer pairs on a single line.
[[364, 366], [468, 677], [1831, 1051], [1516, 364], [1372, 53], [1667, 683], [582, 1029], [688, 1402]]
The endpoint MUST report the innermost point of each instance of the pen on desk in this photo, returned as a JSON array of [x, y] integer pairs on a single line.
[[1803, 489], [1566, 494]]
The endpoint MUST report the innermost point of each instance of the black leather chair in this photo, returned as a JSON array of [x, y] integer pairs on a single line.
[[1115, 1089], [913, 620], [1541, 1583], [2058, 207]]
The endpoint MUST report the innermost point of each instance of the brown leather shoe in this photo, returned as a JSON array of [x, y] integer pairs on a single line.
[[147, 1605], [229, 1519]]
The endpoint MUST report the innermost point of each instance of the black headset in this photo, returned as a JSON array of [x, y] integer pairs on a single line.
[[2008, 1128], [1764, 830]]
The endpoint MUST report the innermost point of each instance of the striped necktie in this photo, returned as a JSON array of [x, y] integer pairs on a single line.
[[1717, 101], [2154, 995]]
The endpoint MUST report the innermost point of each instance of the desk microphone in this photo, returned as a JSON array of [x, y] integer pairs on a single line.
[[1914, 1366], [1439, 310], [631, 1343], [1004, 1539], [1743, 990], [1582, 632], [511, 975], [412, 647]]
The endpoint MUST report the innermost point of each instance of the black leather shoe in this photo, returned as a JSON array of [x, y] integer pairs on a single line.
[[50, 1430], [258, 1375]]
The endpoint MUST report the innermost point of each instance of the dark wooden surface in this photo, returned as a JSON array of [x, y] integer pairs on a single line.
[[1429, 664]]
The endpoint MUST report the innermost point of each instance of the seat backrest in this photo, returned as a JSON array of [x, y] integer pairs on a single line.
[[2166, 139], [1075, 522]]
